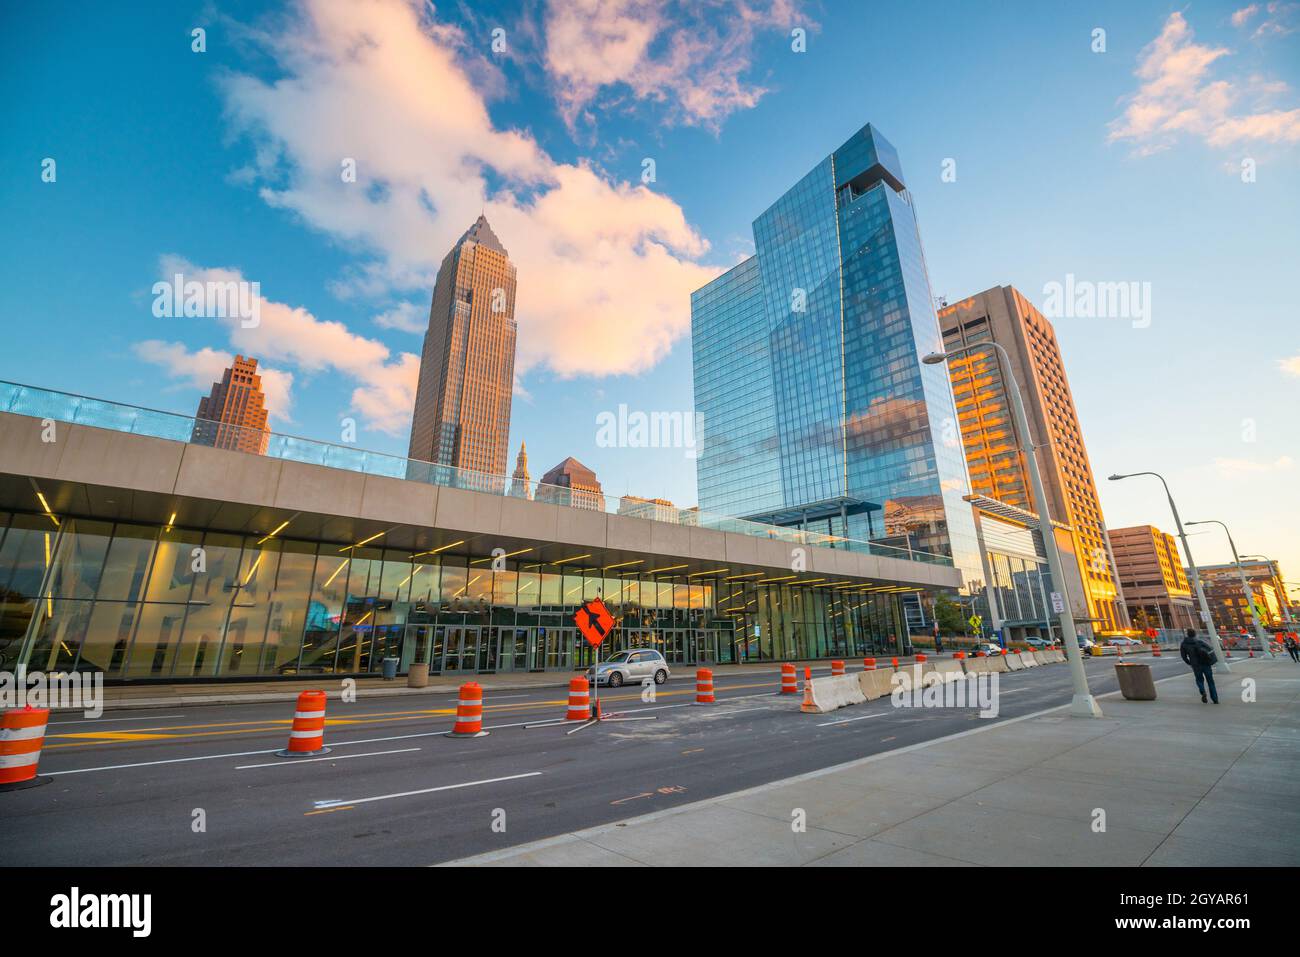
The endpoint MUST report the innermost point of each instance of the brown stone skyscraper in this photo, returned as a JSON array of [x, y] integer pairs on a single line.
[[233, 416], [467, 367], [993, 452]]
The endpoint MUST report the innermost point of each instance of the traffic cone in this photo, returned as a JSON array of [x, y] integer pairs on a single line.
[[704, 686], [469, 712], [868, 664], [307, 736], [579, 700], [837, 668], [789, 680], [22, 734], [893, 663], [1155, 651]]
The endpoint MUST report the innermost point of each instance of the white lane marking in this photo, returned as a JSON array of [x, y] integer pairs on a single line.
[[151, 717], [878, 714], [320, 805], [328, 757]]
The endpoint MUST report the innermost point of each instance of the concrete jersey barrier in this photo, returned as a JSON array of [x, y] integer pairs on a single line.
[[1028, 660], [948, 670], [998, 663], [830, 693], [876, 684], [1013, 662]]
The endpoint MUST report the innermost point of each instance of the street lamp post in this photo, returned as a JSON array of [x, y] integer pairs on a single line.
[[1245, 586], [1222, 665], [1083, 704]]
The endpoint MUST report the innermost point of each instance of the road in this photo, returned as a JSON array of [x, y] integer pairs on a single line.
[[132, 787]]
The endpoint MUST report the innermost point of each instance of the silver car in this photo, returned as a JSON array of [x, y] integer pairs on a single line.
[[631, 667]]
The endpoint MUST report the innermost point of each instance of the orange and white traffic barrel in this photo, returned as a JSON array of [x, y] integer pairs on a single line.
[[837, 668], [920, 658], [789, 680], [704, 686], [307, 735], [579, 700], [469, 712], [22, 734], [959, 655], [868, 664]]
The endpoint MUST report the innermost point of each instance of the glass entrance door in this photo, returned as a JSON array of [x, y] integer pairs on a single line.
[[461, 653], [489, 649]]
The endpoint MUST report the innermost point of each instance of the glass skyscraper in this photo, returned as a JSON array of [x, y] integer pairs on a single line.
[[816, 408]]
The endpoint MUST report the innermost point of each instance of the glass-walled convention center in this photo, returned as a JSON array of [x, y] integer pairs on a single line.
[[151, 602]]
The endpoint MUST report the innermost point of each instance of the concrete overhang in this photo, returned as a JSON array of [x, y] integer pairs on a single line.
[[101, 474]]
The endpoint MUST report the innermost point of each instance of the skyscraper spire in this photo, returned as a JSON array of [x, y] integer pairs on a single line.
[[521, 486]]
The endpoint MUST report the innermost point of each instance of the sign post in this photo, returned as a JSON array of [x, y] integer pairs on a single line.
[[595, 623]]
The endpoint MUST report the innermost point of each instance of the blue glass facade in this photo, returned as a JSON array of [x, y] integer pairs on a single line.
[[862, 435]]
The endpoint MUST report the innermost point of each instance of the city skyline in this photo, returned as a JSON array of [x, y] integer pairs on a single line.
[[335, 351]]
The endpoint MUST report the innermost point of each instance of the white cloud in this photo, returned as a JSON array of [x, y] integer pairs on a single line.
[[385, 393], [203, 367], [605, 269], [1279, 18], [1238, 468], [405, 317], [1176, 97], [691, 57], [1290, 365]]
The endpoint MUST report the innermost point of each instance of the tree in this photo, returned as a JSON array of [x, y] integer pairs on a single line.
[[948, 614]]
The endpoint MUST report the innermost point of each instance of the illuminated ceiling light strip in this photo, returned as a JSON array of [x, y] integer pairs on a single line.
[[749, 575], [716, 571], [440, 548], [46, 505], [766, 581], [342, 565], [606, 568], [506, 555], [277, 531], [571, 558], [364, 541], [667, 568]]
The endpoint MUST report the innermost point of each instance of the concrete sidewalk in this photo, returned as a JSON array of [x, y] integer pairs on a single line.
[[1180, 782]]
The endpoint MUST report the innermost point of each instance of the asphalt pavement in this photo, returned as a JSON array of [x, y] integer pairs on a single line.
[[202, 785]]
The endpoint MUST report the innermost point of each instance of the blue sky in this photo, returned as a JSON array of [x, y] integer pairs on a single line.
[[1115, 165]]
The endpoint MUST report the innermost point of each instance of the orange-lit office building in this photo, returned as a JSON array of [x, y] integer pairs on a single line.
[[233, 415], [996, 464], [1152, 578]]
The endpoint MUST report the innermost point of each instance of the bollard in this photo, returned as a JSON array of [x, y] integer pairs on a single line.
[[837, 668], [868, 664], [579, 700], [469, 712], [307, 736], [22, 734], [789, 682], [704, 686]]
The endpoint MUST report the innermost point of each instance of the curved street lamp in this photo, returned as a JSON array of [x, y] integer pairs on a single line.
[[1245, 587], [1221, 666]]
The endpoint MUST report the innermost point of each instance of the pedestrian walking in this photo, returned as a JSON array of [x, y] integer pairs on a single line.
[[1200, 657], [1293, 648]]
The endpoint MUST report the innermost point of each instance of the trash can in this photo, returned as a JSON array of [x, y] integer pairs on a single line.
[[1135, 682], [390, 668], [417, 676]]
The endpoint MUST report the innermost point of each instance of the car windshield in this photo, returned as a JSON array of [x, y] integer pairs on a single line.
[[616, 657]]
